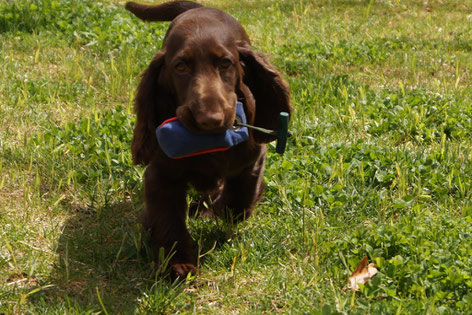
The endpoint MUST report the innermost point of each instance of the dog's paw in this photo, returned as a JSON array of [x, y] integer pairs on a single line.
[[180, 271]]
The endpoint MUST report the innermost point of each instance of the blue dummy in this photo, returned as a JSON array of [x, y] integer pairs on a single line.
[[178, 142]]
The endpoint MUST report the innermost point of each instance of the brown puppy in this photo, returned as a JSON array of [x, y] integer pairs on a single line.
[[206, 64]]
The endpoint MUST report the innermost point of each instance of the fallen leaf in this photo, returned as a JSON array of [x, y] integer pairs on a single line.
[[362, 274]]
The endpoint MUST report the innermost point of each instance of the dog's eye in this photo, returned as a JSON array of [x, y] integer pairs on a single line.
[[225, 63], [181, 67]]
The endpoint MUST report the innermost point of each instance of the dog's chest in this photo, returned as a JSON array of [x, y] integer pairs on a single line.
[[208, 173]]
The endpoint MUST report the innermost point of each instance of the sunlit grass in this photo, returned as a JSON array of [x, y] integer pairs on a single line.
[[379, 164]]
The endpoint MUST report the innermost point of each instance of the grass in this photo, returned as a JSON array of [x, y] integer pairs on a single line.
[[380, 164]]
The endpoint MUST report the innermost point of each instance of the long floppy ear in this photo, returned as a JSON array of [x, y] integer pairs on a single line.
[[270, 91], [152, 106]]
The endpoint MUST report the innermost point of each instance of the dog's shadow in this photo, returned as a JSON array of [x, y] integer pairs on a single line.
[[104, 260]]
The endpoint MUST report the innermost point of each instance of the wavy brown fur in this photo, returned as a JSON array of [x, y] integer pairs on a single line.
[[206, 64]]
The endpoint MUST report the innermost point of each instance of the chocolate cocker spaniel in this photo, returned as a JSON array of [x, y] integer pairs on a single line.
[[205, 66]]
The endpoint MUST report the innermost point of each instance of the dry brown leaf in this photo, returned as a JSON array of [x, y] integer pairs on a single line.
[[362, 274]]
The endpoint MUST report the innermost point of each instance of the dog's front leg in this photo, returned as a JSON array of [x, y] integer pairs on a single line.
[[165, 216]]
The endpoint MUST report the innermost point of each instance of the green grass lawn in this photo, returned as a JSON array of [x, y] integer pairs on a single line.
[[380, 164]]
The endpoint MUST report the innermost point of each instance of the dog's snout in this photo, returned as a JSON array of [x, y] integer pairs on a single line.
[[210, 121]]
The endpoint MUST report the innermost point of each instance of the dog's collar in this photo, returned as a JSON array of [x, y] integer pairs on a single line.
[[178, 142]]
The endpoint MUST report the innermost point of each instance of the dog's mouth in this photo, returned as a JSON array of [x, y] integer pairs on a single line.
[[191, 124]]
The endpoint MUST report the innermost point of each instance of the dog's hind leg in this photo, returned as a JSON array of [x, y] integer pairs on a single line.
[[241, 193]]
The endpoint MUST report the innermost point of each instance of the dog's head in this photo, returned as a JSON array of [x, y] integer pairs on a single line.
[[202, 71], [205, 65]]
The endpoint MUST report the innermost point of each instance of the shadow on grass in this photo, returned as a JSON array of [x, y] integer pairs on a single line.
[[100, 250], [104, 260]]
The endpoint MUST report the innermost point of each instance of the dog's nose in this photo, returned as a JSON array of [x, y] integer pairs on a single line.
[[210, 121]]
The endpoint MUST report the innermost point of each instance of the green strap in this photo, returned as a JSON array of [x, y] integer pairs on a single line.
[[281, 133]]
